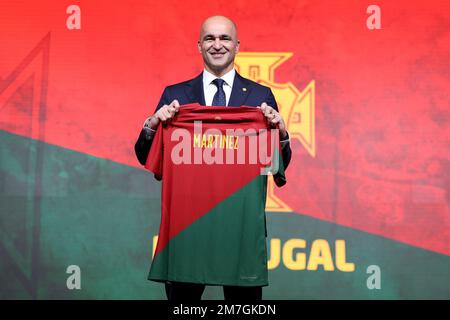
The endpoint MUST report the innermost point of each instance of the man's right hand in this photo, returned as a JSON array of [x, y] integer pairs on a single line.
[[166, 112]]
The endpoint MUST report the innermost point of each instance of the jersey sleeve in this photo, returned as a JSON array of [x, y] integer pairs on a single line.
[[155, 159]]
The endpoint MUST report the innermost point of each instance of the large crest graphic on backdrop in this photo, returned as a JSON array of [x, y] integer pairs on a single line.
[[296, 106]]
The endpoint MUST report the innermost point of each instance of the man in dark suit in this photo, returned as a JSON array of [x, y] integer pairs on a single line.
[[218, 85]]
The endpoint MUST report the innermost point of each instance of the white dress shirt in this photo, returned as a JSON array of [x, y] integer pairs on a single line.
[[210, 89]]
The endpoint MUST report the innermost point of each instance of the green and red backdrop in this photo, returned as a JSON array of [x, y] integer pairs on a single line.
[[365, 213]]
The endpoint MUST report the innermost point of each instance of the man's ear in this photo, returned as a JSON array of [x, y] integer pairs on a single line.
[[237, 46], [199, 46]]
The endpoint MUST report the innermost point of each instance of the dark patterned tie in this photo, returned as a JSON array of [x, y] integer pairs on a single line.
[[219, 98]]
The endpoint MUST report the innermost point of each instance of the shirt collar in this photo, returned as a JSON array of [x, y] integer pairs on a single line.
[[228, 77]]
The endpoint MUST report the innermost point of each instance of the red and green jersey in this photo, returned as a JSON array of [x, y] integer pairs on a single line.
[[212, 228]]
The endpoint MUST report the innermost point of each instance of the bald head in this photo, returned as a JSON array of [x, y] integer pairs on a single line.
[[218, 20], [218, 44]]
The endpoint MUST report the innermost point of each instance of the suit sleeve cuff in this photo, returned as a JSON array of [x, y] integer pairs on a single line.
[[285, 142], [148, 133]]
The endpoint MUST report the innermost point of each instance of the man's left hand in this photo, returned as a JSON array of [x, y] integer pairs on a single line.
[[274, 118]]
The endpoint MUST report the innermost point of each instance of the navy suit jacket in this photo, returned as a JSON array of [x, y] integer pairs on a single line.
[[244, 92]]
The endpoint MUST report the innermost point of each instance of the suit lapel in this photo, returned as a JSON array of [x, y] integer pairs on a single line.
[[239, 92], [194, 90]]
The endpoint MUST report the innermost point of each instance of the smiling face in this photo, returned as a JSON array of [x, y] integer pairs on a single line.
[[218, 44]]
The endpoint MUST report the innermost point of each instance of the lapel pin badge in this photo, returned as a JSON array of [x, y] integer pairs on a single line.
[[244, 89]]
